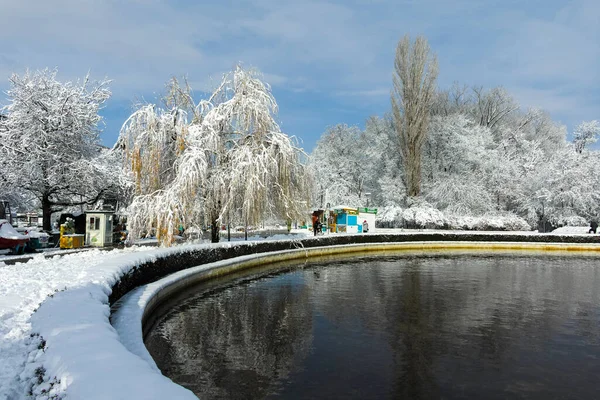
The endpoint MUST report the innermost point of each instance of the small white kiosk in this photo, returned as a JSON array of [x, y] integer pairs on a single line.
[[98, 228], [367, 214]]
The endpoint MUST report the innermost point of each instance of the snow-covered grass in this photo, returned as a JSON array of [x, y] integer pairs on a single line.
[[43, 352]]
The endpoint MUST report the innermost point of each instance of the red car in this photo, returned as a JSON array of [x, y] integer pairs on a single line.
[[11, 239]]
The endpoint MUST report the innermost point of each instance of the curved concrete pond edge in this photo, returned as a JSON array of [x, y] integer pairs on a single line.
[[178, 260], [132, 310]]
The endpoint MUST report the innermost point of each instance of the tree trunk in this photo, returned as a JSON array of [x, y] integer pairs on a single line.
[[412, 168], [46, 213], [214, 230]]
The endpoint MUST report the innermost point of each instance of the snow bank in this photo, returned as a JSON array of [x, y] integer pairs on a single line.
[[75, 324], [86, 359], [71, 323], [572, 230]]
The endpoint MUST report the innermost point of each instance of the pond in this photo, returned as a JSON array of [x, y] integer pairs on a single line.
[[446, 326]]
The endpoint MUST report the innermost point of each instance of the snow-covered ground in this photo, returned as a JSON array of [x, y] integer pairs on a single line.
[[24, 286], [572, 230], [87, 276]]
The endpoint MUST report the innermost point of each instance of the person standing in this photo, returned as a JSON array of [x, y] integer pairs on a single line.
[[593, 227], [315, 222]]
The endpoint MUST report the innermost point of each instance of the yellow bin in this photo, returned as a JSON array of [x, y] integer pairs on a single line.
[[74, 241]]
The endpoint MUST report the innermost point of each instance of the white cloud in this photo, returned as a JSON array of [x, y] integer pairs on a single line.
[[544, 51]]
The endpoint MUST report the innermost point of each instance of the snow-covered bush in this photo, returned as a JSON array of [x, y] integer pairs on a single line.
[[574, 220], [389, 217], [423, 216], [419, 217], [462, 222], [490, 222]]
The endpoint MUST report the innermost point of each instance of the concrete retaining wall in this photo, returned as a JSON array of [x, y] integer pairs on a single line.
[[162, 267]]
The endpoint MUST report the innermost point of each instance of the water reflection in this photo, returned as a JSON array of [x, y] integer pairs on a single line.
[[418, 327], [238, 342]]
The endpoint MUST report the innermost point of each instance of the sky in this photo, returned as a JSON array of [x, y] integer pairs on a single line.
[[328, 62]]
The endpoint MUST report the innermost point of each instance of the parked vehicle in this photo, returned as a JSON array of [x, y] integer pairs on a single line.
[[37, 237], [11, 239]]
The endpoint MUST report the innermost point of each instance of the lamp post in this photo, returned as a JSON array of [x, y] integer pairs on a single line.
[[327, 219]]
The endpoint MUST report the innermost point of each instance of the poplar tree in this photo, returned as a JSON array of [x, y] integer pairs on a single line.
[[415, 73]]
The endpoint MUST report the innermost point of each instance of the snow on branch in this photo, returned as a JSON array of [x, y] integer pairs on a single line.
[[231, 161], [49, 137]]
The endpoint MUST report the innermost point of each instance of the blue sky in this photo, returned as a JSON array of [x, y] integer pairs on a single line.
[[328, 62]]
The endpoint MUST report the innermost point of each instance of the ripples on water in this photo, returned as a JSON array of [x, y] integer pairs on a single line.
[[406, 327]]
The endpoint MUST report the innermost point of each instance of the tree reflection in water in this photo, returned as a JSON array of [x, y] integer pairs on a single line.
[[237, 344], [409, 327]]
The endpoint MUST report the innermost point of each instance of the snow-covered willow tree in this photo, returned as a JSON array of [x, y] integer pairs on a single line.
[[152, 139], [231, 161], [50, 140]]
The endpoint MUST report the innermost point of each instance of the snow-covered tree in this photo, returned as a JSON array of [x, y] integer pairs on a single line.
[[152, 139], [415, 73], [339, 164], [562, 188], [538, 126], [50, 139], [586, 133], [383, 164], [454, 170], [492, 106], [231, 161], [456, 100]]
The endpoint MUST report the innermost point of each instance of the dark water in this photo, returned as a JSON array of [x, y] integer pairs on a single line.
[[445, 327]]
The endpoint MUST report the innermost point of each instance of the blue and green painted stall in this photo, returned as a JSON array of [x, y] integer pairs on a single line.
[[352, 219]]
